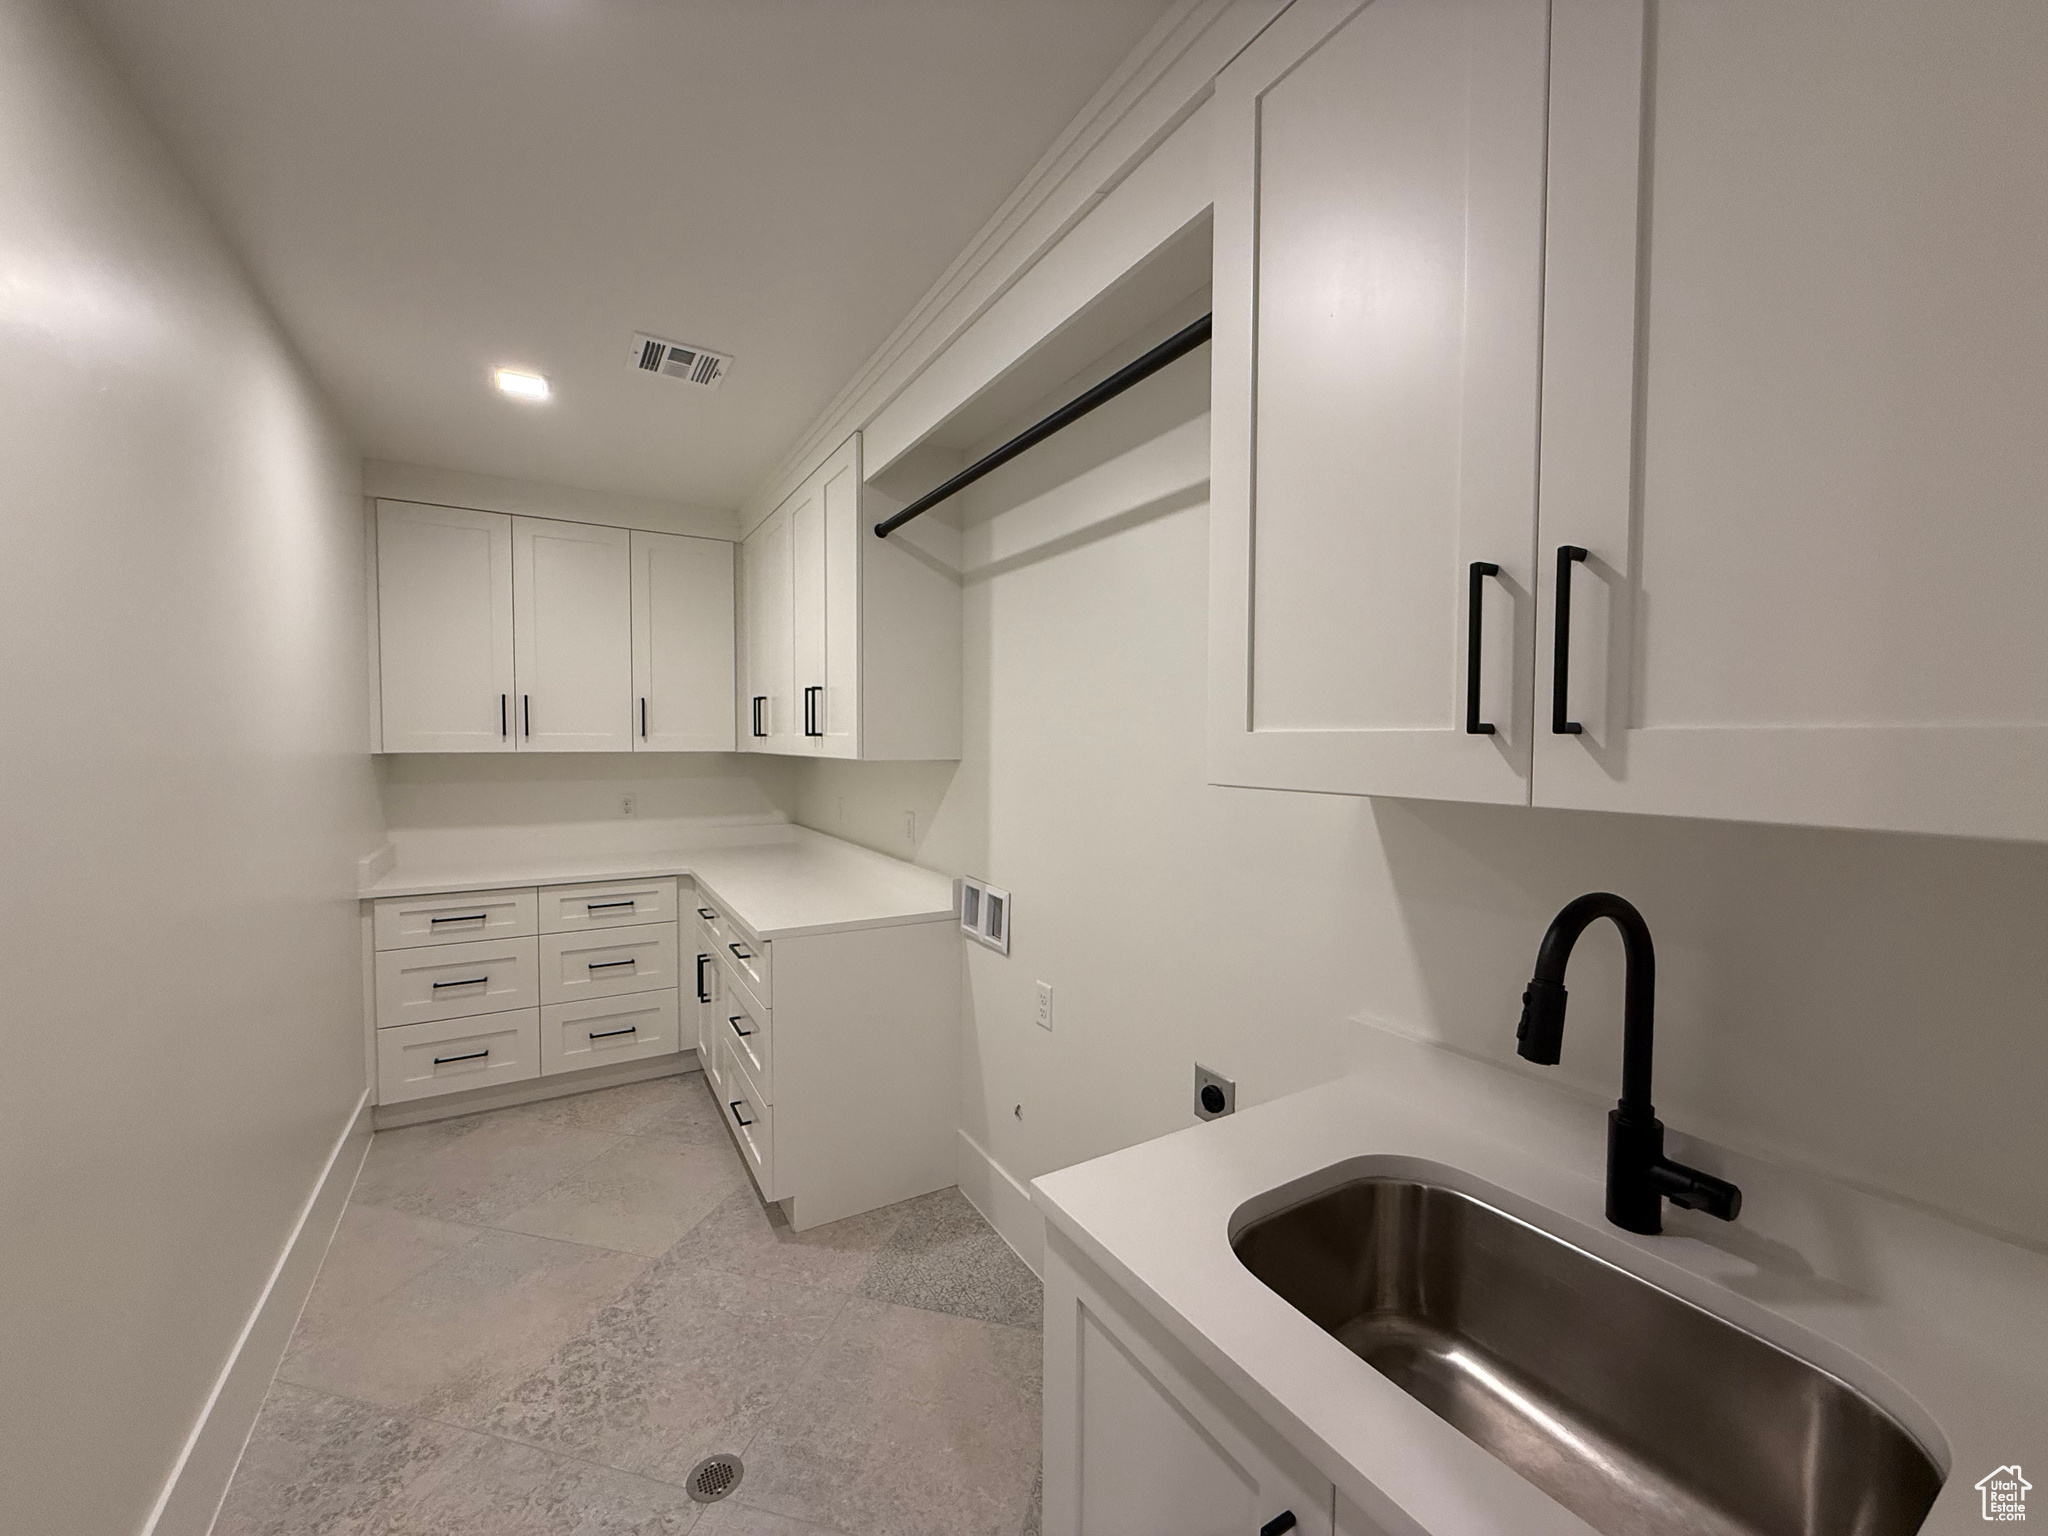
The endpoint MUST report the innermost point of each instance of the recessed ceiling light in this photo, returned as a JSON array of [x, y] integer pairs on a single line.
[[521, 386]]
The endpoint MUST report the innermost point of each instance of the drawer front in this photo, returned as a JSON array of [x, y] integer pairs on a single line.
[[456, 981], [746, 1030], [615, 904], [607, 963], [751, 1119], [578, 1035], [405, 922], [416, 1061], [750, 963]]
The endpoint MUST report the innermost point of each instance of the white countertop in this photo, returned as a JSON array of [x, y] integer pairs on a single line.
[[1945, 1327], [779, 880]]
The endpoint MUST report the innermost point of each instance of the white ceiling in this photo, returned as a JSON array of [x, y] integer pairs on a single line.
[[426, 189]]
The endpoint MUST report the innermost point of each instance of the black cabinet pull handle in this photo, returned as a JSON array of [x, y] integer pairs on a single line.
[[1561, 644], [735, 1104], [526, 714], [1475, 609], [734, 1021], [744, 954], [606, 1034], [707, 914], [702, 995], [606, 906], [467, 981], [504, 720], [759, 700], [812, 696], [442, 1061], [605, 965], [1279, 1524], [643, 719], [467, 917]]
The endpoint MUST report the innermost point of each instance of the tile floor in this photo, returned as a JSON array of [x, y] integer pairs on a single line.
[[534, 1322]]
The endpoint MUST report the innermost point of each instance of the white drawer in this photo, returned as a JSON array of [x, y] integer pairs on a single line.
[[614, 904], [577, 1035], [608, 963], [456, 981], [711, 915], [746, 1029], [404, 922], [415, 1061], [751, 1119], [749, 962]]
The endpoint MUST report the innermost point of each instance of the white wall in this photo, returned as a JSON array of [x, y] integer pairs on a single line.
[[1867, 1004], [477, 789], [183, 790]]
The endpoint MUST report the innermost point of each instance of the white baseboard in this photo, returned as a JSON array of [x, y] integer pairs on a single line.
[[199, 1479], [445, 1106], [1003, 1201]]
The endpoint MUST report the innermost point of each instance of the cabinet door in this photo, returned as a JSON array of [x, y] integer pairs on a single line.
[[682, 644], [444, 628], [1135, 1446], [769, 722], [1805, 458], [572, 598], [1378, 296], [828, 628]]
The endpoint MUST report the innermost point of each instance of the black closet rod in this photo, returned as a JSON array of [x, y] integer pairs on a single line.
[[1179, 344]]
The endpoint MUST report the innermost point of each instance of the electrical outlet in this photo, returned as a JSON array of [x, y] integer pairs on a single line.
[[1045, 1005], [629, 805], [910, 827], [1215, 1094]]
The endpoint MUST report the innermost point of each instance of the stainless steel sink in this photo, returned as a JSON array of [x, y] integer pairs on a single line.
[[1634, 1409]]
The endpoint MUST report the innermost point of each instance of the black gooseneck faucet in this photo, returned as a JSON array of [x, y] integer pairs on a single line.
[[1639, 1176]]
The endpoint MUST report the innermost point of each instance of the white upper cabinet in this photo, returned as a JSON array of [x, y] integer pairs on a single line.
[[444, 628], [1784, 353], [1378, 349], [499, 633], [1804, 456], [826, 561], [853, 642], [768, 717], [571, 592], [682, 643]]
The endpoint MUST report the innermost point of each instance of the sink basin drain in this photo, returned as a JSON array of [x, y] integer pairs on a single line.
[[714, 1477]]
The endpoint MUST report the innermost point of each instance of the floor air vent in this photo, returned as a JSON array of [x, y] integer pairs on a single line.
[[714, 1477], [699, 367]]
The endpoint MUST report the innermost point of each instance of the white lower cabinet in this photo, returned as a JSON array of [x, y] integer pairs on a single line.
[[590, 1034], [415, 1061], [585, 977], [832, 1056], [839, 1091], [1140, 1439], [703, 984]]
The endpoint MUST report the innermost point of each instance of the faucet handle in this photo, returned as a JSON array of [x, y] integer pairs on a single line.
[[1698, 1191]]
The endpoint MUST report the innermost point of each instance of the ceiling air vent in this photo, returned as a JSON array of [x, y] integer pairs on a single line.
[[698, 366]]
